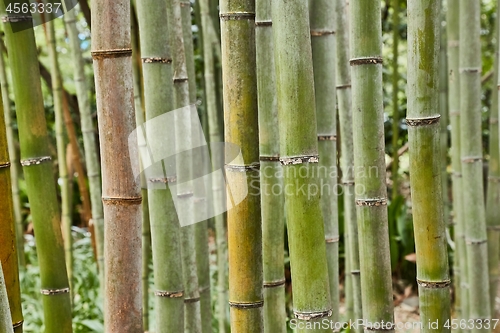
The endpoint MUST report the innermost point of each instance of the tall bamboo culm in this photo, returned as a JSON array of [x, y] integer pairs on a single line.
[[61, 149], [424, 21], [343, 71], [215, 136], [5, 316], [15, 167], [200, 202], [472, 162], [239, 81], [493, 190], [395, 102], [88, 133], [460, 272], [371, 195], [299, 157], [111, 55], [8, 245], [165, 233], [271, 202], [35, 158], [323, 42]]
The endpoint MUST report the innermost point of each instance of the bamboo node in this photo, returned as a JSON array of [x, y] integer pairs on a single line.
[[494, 179], [18, 324], [35, 160], [243, 168], [185, 195], [269, 158], [343, 86], [319, 33], [493, 227], [327, 138], [299, 159], [16, 19], [332, 240], [180, 79], [472, 159], [50, 292], [169, 294], [244, 306], [493, 121], [475, 242], [191, 300], [423, 121], [151, 60], [204, 290], [113, 53], [267, 23], [166, 180], [366, 61], [348, 183], [237, 16], [470, 70], [312, 315], [371, 202], [434, 285], [122, 200], [274, 284], [4, 164], [356, 272]]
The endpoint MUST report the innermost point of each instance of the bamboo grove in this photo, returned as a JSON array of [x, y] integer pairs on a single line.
[[249, 166]]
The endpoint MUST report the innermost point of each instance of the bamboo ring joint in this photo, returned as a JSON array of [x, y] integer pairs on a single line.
[[366, 61], [243, 168], [356, 272], [274, 284], [312, 315], [113, 53], [166, 180], [319, 33], [470, 70], [327, 138], [413, 122], [343, 86], [299, 160], [269, 158], [185, 195], [245, 306], [475, 242], [434, 285], [4, 164], [18, 324], [332, 240], [348, 183], [191, 300], [472, 159], [267, 23], [50, 292], [180, 79], [16, 19], [122, 200], [493, 121], [371, 202], [237, 16], [35, 160], [152, 60], [494, 179], [169, 294]]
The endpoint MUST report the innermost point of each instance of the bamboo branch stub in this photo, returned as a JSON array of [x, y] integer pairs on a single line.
[[245, 306], [35, 160], [113, 53], [307, 316], [366, 61], [51, 292]]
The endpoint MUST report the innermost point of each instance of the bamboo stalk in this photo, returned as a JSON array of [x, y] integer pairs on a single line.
[[426, 163], [271, 201], [299, 153], [38, 174], [493, 190], [472, 166], [15, 167], [395, 101], [369, 164], [347, 158], [239, 82], [111, 53], [460, 271], [165, 233], [8, 244], [323, 42], [89, 144], [215, 135]]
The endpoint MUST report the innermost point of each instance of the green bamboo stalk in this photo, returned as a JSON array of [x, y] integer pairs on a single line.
[[460, 271], [214, 137], [347, 158], [89, 144], [8, 245], [395, 101], [5, 316], [201, 228], [424, 21], [493, 190], [111, 53], [15, 167], [239, 82], [61, 149], [369, 164], [271, 201], [472, 166], [323, 41], [35, 158], [299, 153], [192, 310]]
